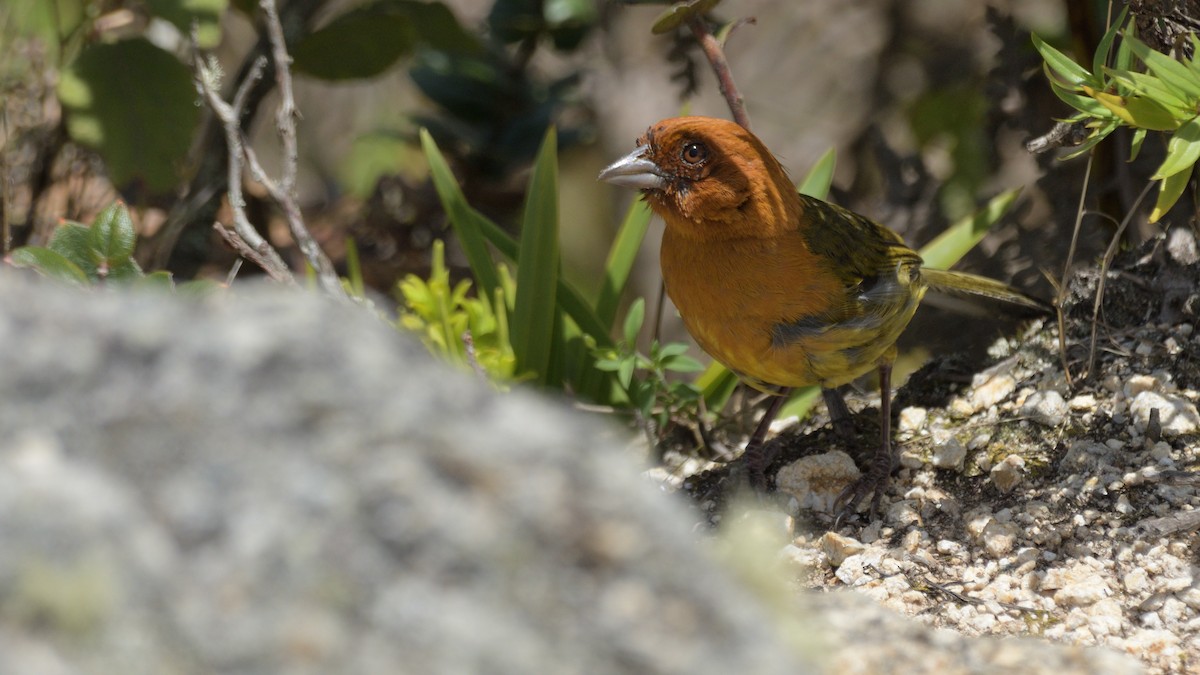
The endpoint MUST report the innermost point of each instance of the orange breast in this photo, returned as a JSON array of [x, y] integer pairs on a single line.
[[731, 295]]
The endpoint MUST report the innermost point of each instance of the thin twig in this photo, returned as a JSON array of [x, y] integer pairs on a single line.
[[1108, 258], [716, 58], [1062, 284], [248, 252], [206, 83], [284, 192]]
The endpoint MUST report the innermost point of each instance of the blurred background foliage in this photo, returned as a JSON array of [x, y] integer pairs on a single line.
[[928, 104]]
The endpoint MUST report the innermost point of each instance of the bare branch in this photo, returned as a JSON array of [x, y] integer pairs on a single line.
[[284, 191], [249, 253], [244, 238], [715, 54]]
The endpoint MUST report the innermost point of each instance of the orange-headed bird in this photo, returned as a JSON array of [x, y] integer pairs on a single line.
[[783, 289]]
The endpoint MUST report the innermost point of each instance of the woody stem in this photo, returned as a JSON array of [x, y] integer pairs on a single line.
[[716, 57]]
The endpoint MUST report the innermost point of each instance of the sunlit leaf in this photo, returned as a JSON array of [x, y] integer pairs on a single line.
[[1064, 67], [49, 263], [820, 177], [1173, 74], [1171, 190], [1182, 151], [621, 257], [950, 246], [533, 319], [675, 16], [1136, 111]]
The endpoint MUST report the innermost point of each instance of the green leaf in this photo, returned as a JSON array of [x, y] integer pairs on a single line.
[[1182, 151], [948, 247], [159, 281], [620, 260], [1148, 85], [677, 15], [1170, 192], [1084, 104], [1136, 111], [716, 384], [361, 43], [1106, 42], [820, 176], [538, 262], [134, 104], [111, 236], [672, 349], [633, 322], [625, 371], [468, 224], [569, 297], [74, 242], [1178, 77], [49, 263], [1135, 144], [205, 14], [126, 269], [682, 364], [1063, 66], [800, 402]]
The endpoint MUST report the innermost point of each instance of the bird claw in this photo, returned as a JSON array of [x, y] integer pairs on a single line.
[[755, 459], [874, 482]]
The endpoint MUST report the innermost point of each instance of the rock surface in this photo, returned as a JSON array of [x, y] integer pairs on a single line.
[[266, 482]]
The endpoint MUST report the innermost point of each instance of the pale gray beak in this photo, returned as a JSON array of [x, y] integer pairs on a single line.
[[635, 172]]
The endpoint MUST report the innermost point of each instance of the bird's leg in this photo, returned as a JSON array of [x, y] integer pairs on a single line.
[[874, 481], [839, 414], [757, 457]]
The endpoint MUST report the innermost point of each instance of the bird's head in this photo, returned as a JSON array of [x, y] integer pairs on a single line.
[[709, 179]]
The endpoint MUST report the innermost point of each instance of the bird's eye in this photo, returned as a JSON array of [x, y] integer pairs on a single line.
[[694, 153]]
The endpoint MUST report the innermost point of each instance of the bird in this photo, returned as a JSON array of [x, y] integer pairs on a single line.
[[783, 289]]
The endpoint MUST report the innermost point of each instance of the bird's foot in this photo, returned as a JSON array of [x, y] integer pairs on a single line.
[[873, 483], [757, 459]]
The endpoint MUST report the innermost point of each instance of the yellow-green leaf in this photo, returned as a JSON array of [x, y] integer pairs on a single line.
[[1172, 188], [1136, 111], [820, 176], [1063, 65], [534, 308], [948, 247], [1182, 151]]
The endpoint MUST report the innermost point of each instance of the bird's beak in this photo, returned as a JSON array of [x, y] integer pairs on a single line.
[[634, 171]]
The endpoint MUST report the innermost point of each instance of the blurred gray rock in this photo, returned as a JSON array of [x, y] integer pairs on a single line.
[[265, 482]]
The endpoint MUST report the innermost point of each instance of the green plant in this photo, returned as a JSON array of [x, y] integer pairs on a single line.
[[95, 254], [554, 326], [654, 396], [1145, 91], [464, 330]]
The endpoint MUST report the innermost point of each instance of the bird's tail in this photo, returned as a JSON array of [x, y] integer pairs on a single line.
[[961, 283]]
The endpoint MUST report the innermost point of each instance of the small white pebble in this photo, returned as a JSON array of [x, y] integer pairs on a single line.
[[949, 455], [912, 418], [1046, 408]]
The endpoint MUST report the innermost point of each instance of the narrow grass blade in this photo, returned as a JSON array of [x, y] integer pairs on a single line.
[[468, 224], [620, 260], [534, 320], [948, 247]]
